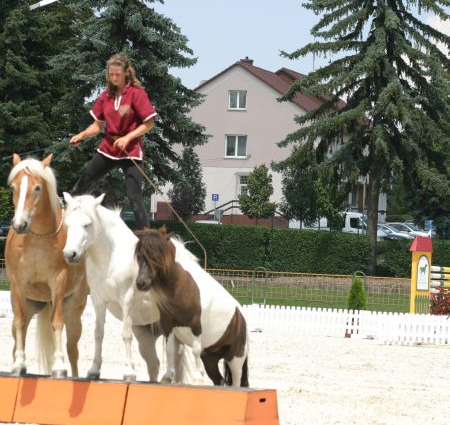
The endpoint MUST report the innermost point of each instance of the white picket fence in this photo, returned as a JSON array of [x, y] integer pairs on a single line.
[[389, 328]]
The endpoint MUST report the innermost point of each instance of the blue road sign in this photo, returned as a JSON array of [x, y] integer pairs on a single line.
[[215, 196]]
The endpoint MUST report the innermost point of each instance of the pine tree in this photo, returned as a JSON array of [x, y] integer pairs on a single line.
[[357, 299], [396, 119], [255, 203], [188, 192], [29, 86], [154, 44]]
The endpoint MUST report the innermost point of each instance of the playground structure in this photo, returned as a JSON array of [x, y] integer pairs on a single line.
[[426, 279], [37, 399], [440, 277]]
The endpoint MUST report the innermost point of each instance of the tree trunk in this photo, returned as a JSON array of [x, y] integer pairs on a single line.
[[372, 222]]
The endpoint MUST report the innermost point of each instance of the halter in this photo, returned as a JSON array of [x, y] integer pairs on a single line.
[[50, 235]]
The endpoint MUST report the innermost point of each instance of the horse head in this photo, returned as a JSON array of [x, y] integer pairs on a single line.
[[79, 219], [155, 254], [34, 191]]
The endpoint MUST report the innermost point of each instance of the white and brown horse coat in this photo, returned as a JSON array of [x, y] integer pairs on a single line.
[[194, 307]]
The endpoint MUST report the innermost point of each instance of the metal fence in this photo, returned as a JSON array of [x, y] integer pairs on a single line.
[[312, 290], [261, 286]]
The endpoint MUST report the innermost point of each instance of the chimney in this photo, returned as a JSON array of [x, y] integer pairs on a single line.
[[247, 60]]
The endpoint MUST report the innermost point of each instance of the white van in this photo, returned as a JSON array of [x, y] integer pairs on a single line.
[[354, 222]]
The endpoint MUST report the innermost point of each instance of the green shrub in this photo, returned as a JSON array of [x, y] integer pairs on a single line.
[[357, 299]]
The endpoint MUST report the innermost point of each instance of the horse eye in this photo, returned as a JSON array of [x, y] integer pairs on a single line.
[[37, 188]]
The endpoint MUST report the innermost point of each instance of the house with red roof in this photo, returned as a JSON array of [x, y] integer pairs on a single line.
[[245, 121]]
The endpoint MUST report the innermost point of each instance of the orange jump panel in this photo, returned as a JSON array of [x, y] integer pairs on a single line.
[[8, 394], [187, 405], [70, 402]]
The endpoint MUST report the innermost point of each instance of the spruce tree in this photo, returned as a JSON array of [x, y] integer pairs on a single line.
[[154, 45], [394, 79], [29, 86]]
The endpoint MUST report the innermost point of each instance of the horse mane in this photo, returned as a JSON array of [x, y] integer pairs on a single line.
[[86, 203], [36, 168], [181, 251]]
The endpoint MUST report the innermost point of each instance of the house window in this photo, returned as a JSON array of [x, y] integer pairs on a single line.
[[237, 99], [236, 146], [242, 184]]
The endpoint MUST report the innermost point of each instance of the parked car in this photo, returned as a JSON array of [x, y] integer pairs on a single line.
[[387, 233], [4, 228], [207, 222], [409, 228], [129, 218]]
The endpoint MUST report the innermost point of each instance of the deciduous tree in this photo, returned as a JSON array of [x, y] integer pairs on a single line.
[[255, 203]]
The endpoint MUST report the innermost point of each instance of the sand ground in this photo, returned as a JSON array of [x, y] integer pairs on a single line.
[[319, 380]]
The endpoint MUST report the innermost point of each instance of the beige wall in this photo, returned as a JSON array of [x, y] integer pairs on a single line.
[[265, 123]]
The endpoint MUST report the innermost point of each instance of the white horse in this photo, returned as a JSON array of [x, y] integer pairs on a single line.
[[109, 246], [195, 309]]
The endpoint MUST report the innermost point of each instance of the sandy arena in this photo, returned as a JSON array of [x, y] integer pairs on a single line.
[[319, 380]]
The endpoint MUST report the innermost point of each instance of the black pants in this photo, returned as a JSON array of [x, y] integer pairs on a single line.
[[99, 166]]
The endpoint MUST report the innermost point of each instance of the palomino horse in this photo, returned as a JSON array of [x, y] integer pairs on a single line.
[[41, 280], [109, 246], [195, 309]]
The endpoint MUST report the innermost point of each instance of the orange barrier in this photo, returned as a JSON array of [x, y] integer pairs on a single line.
[[8, 394], [170, 405], [36, 399]]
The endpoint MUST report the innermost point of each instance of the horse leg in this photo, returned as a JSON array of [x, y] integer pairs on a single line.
[[21, 320], [199, 378], [73, 309], [238, 374], [183, 366], [100, 316], [146, 336], [211, 363], [172, 344], [129, 373], [59, 369]]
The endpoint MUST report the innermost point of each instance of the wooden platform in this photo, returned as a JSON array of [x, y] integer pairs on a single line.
[[38, 399]]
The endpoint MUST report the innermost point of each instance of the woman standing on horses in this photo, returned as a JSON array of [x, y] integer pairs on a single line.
[[125, 108]]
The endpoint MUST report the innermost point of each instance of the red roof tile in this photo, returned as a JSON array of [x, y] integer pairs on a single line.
[[280, 81]]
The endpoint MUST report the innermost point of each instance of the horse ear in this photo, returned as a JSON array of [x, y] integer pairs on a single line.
[[16, 159], [163, 230], [99, 200], [46, 161], [67, 197]]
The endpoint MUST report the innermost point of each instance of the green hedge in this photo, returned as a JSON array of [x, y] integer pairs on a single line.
[[278, 249], [291, 250], [397, 257], [311, 251]]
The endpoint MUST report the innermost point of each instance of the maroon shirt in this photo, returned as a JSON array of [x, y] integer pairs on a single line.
[[122, 115]]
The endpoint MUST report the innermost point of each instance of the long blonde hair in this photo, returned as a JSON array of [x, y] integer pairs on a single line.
[[120, 59]]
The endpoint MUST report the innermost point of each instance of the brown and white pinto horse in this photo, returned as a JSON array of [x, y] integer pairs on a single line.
[[195, 309], [41, 281]]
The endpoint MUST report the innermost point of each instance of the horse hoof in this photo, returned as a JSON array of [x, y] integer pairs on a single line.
[[93, 376], [129, 378], [59, 374], [19, 371]]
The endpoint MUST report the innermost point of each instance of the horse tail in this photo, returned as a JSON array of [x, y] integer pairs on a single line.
[[228, 379], [45, 342]]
